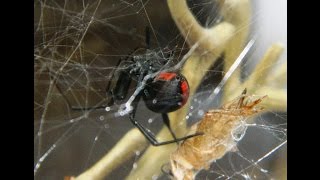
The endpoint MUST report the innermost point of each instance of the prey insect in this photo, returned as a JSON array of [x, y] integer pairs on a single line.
[[220, 127], [166, 92]]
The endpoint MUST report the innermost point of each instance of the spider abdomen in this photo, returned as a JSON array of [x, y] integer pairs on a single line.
[[168, 92]]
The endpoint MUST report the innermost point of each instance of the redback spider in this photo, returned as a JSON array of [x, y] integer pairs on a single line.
[[164, 93]]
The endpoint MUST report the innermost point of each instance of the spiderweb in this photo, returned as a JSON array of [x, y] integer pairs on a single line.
[[77, 47]]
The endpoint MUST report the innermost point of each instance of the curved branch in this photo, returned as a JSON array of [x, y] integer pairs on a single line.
[[193, 32], [261, 79], [262, 70], [238, 13]]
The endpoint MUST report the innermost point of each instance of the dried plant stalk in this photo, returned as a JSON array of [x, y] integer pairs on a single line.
[[221, 128], [267, 80], [126, 146]]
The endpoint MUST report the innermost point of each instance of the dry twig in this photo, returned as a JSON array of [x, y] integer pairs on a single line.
[[221, 128]]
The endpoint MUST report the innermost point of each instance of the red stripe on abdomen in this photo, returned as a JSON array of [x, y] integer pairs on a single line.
[[166, 76], [185, 91]]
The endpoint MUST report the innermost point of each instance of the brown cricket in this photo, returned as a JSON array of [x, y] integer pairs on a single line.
[[219, 127]]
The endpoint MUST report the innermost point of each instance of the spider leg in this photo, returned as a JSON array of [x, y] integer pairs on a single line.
[[152, 139], [74, 108], [110, 93], [113, 73], [165, 120], [119, 83], [147, 134]]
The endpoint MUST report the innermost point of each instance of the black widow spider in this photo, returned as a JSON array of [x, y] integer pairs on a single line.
[[166, 92]]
